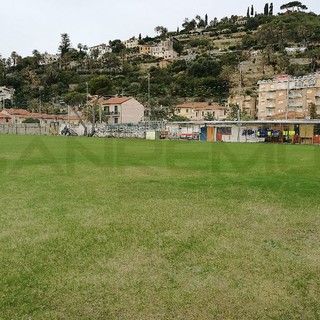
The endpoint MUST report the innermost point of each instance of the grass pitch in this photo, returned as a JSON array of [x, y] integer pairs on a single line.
[[132, 229]]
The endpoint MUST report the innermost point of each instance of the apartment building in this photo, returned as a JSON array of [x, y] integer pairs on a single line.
[[286, 97]]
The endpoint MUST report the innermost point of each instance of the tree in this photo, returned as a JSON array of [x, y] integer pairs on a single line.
[[117, 46], [31, 120], [14, 58], [100, 85], [234, 113], [75, 98], [162, 31], [206, 20], [266, 9], [214, 22], [248, 12], [313, 111], [65, 44], [209, 117], [189, 25], [75, 101], [252, 11], [271, 9], [293, 6]]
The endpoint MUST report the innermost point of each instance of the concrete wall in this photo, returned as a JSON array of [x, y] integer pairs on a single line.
[[29, 129]]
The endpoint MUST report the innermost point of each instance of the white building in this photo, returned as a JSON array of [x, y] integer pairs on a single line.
[[5, 94], [101, 49]]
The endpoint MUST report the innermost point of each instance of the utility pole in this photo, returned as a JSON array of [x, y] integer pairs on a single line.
[[149, 90], [240, 79], [87, 93], [288, 100]]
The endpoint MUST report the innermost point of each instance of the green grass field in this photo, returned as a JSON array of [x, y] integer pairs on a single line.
[[132, 229]]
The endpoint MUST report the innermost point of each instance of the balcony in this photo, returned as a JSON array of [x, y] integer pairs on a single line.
[[295, 95], [295, 105], [112, 113], [270, 106]]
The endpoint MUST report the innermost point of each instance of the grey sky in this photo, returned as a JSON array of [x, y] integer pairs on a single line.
[[37, 24]]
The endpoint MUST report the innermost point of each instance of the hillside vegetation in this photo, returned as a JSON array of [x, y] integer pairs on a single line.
[[215, 59]]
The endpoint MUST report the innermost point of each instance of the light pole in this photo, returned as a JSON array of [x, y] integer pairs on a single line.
[[149, 107]]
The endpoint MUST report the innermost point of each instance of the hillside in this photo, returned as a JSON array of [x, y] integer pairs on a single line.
[[212, 61]]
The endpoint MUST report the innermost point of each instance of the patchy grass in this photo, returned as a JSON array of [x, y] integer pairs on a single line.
[[131, 229]]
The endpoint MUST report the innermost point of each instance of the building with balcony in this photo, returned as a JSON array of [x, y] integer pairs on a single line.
[[286, 97], [118, 110], [201, 111]]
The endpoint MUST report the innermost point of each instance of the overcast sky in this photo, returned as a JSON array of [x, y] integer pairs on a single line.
[[37, 24]]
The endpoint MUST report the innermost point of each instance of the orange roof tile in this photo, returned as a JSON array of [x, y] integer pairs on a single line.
[[17, 111], [3, 116], [116, 100]]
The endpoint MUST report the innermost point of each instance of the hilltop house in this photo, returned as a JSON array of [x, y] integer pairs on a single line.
[[163, 50], [131, 43], [99, 50]]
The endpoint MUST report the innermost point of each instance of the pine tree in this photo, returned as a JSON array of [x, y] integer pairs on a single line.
[[252, 10], [65, 44], [266, 9], [248, 12]]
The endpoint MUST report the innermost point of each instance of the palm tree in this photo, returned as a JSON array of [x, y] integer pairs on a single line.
[[14, 57]]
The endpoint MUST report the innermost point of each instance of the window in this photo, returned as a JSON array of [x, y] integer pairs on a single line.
[[115, 109], [116, 120], [224, 130], [187, 110]]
